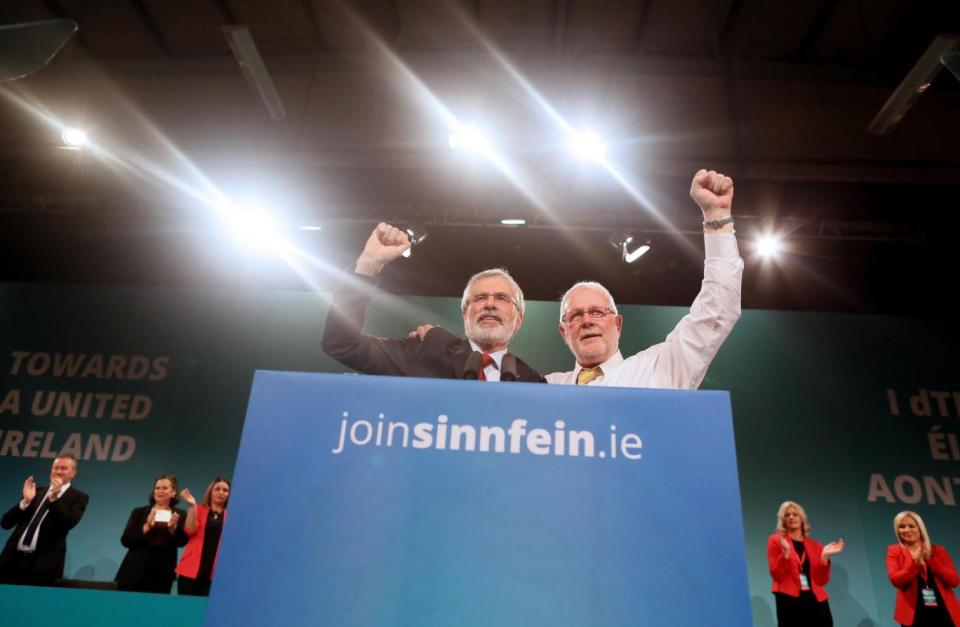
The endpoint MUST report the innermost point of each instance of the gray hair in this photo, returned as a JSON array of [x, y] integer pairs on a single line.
[[68, 456], [500, 272], [593, 285]]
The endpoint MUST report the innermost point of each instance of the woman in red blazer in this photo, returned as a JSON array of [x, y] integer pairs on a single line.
[[800, 567], [204, 525], [924, 576]]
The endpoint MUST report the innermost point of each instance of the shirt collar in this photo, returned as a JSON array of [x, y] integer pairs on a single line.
[[615, 360], [497, 356], [63, 489]]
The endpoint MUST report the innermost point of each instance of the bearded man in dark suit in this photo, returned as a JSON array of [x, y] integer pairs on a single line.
[[492, 307]]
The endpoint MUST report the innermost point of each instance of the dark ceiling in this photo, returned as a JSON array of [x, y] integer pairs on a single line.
[[777, 94]]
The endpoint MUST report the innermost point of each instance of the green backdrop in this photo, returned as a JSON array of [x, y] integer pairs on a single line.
[[855, 417]]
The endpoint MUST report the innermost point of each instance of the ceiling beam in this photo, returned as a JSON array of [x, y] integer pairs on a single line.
[[33, 164], [561, 17], [684, 66], [726, 28], [313, 21], [54, 8], [152, 27], [914, 84], [395, 13], [643, 16], [914, 31], [730, 40], [226, 12], [821, 19]]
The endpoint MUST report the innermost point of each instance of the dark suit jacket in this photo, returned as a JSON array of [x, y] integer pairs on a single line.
[[62, 516], [441, 354], [149, 560]]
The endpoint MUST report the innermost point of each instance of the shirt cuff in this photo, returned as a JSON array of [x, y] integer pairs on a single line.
[[720, 245]]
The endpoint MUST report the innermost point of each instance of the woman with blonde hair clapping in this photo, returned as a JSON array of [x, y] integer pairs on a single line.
[[924, 576], [800, 568]]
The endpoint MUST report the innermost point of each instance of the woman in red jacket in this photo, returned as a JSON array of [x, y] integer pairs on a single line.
[[204, 525], [800, 567], [924, 576]]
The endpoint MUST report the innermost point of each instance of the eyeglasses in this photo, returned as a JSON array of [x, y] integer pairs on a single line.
[[596, 314], [501, 298]]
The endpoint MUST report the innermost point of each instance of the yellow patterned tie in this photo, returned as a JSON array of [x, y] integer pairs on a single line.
[[586, 375]]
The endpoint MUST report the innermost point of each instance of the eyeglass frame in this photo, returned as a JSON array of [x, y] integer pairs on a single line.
[[596, 314], [498, 297]]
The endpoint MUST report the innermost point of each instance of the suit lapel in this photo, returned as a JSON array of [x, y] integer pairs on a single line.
[[458, 350]]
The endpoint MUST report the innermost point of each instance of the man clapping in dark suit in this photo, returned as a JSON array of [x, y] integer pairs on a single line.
[[36, 551]]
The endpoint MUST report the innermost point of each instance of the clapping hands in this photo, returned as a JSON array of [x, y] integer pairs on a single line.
[[832, 549], [29, 489]]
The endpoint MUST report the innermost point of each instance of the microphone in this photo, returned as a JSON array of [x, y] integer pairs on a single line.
[[508, 368], [472, 368]]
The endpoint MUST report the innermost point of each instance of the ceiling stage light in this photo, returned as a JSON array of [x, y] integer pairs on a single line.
[[630, 246], [470, 138], [951, 61], [244, 50], [30, 46], [588, 146], [73, 138], [768, 246], [257, 229], [513, 221], [915, 83], [416, 234]]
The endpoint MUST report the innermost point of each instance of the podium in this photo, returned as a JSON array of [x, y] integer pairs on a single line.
[[382, 501]]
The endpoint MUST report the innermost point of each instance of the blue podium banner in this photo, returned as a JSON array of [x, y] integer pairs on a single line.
[[381, 501]]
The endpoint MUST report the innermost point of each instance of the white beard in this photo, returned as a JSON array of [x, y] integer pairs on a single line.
[[480, 334]]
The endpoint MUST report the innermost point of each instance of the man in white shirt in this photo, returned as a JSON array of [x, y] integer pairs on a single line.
[[36, 551], [590, 324]]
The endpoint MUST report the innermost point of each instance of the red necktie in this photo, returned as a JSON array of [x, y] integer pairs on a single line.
[[485, 361]]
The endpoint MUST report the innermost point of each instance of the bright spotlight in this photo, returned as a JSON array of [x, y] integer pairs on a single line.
[[631, 255], [630, 246], [257, 229], [73, 137], [588, 146], [768, 246], [513, 221], [470, 138]]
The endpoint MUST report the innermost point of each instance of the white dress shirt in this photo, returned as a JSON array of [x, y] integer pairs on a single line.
[[681, 361], [29, 545]]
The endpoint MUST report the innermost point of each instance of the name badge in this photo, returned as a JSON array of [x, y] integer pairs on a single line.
[[804, 583], [929, 596]]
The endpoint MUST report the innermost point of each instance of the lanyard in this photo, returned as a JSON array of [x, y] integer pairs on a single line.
[[800, 556], [927, 594]]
